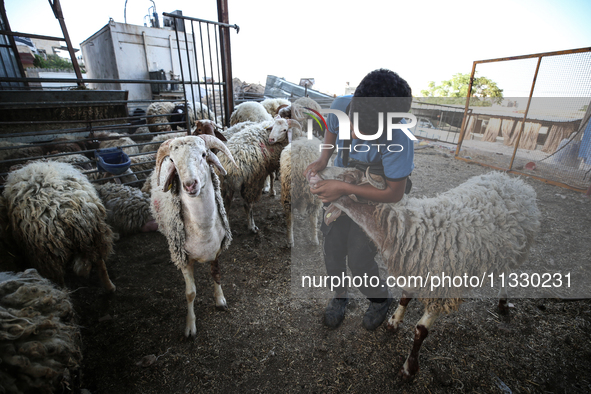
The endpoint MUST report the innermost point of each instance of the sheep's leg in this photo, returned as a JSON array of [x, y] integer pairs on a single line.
[[271, 179], [289, 220], [313, 225], [411, 366], [190, 292], [250, 217], [218, 294], [396, 319], [268, 184], [104, 276], [503, 295]]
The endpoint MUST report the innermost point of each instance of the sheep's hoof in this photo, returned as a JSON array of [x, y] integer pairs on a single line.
[[221, 304], [191, 331], [503, 307], [110, 287], [405, 376], [254, 230]]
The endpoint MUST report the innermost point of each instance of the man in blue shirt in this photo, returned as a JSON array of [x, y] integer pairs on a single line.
[[344, 241]]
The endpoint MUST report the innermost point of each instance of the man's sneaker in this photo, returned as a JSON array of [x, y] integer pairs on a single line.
[[335, 311], [376, 313]]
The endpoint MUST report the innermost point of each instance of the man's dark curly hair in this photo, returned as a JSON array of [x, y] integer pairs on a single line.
[[383, 83], [383, 91]]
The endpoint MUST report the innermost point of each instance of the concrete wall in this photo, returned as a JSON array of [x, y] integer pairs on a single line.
[[118, 51]]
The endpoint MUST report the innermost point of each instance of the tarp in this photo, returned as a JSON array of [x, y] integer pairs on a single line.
[[276, 87]]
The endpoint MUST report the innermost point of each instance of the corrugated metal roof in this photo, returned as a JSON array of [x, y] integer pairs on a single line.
[[557, 114]]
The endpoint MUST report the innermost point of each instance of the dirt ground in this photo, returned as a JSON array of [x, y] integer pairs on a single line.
[[268, 341]]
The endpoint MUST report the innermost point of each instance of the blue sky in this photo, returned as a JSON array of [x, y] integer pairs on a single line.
[[335, 43]]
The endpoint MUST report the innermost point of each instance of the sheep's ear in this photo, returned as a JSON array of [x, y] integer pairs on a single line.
[[220, 136], [170, 184]]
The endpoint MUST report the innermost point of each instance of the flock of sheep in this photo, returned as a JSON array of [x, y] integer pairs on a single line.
[[59, 212]]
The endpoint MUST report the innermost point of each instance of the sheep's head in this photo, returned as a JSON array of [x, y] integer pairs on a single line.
[[190, 158], [209, 127], [284, 129]]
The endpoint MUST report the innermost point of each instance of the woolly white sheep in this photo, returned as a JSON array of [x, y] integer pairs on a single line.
[[162, 108], [256, 159], [57, 218], [249, 111], [18, 150], [174, 112], [114, 140], [486, 224], [295, 191], [128, 209], [160, 138], [297, 111], [39, 342], [143, 165], [273, 105], [187, 205]]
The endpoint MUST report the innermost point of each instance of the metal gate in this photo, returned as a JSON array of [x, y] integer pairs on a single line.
[[210, 66], [39, 120], [543, 129]]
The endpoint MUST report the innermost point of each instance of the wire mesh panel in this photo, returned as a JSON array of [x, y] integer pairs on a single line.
[[539, 128]]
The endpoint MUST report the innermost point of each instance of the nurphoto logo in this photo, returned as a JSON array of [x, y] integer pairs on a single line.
[[392, 124]]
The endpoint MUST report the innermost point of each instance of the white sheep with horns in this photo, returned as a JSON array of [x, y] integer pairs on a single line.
[[485, 225], [187, 205], [57, 218]]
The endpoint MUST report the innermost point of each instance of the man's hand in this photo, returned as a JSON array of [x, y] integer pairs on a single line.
[[329, 190], [315, 167]]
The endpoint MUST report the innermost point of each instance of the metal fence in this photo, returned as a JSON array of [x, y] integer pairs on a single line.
[[39, 120], [542, 127], [210, 66]]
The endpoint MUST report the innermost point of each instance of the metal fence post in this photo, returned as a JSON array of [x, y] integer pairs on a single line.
[[228, 88]]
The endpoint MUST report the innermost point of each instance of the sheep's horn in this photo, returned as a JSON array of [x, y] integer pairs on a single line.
[[291, 134], [163, 151], [211, 157], [293, 123], [213, 142]]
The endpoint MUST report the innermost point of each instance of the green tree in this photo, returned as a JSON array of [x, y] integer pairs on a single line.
[[485, 92], [53, 61]]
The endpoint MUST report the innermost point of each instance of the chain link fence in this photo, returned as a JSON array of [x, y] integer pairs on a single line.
[[541, 129]]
